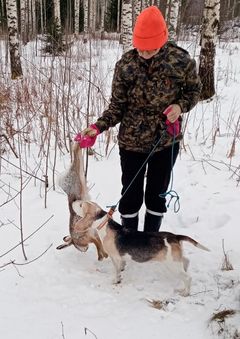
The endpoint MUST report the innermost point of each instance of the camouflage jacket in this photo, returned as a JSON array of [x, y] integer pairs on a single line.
[[143, 89]]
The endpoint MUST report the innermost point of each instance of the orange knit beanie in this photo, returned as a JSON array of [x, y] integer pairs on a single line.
[[150, 31]]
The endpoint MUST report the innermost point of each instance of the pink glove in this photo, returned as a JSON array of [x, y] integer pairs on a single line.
[[87, 140], [173, 128]]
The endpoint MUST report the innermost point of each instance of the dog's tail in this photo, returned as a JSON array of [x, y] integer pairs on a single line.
[[192, 241]]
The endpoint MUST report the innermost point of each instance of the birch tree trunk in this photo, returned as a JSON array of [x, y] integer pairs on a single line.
[[41, 15], [2, 14], [29, 20], [57, 14], [137, 6], [172, 14], [92, 15], [118, 16], [85, 9], [34, 23], [224, 12], [208, 46], [44, 15], [23, 20], [167, 11], [103, 11], [145, 4], [126, 27], [16, 67], [233, 9], [76, 16]]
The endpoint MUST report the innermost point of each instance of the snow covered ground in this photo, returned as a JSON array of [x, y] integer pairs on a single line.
[[69, 294]]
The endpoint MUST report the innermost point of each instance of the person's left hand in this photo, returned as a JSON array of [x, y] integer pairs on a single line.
[[173, 112]]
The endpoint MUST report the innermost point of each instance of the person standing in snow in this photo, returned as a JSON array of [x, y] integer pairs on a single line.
[[153, 84]]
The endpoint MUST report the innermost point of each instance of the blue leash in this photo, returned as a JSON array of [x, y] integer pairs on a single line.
[[173, 194]]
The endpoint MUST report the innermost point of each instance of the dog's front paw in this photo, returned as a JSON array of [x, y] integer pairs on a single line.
[[105, 255], [102, 255]]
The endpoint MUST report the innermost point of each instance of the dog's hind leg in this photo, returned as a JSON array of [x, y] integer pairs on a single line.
[[178, 267], [186, 262], [184, 277], [179, 264]]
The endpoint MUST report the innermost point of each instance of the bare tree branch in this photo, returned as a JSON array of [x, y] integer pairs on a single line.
[[86, 330], [8, 142], [26, 263], [13, 248], [32, 175]]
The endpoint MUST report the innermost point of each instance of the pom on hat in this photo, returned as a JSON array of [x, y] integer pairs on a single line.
[[150, 31]]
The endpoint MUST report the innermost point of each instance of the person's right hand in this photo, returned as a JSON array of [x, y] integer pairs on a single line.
[[87, 137], [90, 131]]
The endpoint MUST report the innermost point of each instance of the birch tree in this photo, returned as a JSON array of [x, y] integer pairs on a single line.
[[118, 15], [54, 39], [42, 15], [23, 21], [102, 18], [12, 20], [33, 21], [85, 20], [157, 3], [92, 15], [56, 31], [126, 25], [76, 16], [29, 19], [137, 6], [145, 4], [172, 14], [209, 32], [57, 15]]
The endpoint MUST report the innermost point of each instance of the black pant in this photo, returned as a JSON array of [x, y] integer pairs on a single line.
[[159, 167]]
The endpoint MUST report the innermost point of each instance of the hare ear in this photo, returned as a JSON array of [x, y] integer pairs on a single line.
[[60, 247], [77, 206], [68, 242]]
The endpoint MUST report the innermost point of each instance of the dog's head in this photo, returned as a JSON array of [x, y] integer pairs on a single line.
[[83, 208]]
